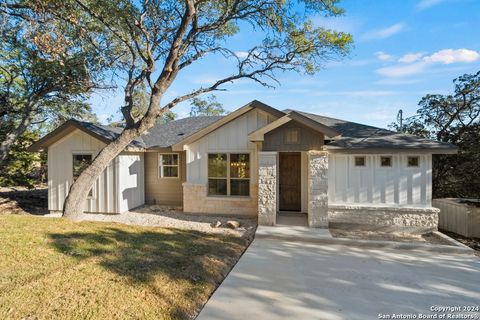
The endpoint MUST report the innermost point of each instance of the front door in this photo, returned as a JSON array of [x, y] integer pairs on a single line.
[[290, 181]]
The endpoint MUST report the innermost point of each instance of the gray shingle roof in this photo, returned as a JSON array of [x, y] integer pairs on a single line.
[[360, 136], [166, 135], [160, 136], [107, 132], [353, 135]]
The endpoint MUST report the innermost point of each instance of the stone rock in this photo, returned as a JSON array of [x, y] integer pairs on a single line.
[[233, 224], [216, 224]]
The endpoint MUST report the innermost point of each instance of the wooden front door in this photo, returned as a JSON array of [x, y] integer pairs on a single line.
[[290, 181]]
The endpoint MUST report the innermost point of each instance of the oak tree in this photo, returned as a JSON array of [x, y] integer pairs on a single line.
[[160, 39]]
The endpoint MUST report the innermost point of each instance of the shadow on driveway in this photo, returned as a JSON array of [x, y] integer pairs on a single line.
[[276, 279]]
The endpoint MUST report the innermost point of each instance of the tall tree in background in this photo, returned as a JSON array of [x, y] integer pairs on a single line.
[[454, 119], [160, 39], [45, 75], [206, 107], [140, 98]]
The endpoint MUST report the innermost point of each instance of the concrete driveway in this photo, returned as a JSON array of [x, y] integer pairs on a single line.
[[277, 279]]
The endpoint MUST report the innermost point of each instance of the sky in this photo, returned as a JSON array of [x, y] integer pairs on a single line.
[[403, 50]]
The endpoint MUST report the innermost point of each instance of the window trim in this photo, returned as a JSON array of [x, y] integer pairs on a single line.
[[160, 165], [355, 163], [228, 178], [418, 162], [391, 161], [85, 153]]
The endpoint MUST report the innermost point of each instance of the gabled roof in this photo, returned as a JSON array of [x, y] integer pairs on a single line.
[[231, 116], [259, 134], [342, 135], [160, 136], [357, 136], [101, 132]]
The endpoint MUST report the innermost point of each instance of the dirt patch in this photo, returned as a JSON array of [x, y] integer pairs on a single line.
[[20, 200], [473, 243], [359, 234]]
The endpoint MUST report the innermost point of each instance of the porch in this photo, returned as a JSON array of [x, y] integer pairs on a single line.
[[292, 172], [292, 191]]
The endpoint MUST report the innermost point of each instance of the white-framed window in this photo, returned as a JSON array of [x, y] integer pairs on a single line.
[[229, 174], [360, 161], [169, 165], [79, 163], [385, 161], [292, 136], [413, 161]]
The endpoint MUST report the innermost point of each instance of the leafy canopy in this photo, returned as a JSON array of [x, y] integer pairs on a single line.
[[453, 118]]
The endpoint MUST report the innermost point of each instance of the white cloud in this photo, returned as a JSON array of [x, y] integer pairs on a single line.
[[448, 56], [425, 4], [410, 57], [241, 54], [393, 81], [383, 56], [368, 93], [357, 93], [402, 70], [415, 63], [384, 33]]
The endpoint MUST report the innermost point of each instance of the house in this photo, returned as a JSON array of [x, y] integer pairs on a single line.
[[256, 161]]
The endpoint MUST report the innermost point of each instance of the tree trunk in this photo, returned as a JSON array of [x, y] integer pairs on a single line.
[[77, 195]]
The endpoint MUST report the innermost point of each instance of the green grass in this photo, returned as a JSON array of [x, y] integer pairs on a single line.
[[59, 269]]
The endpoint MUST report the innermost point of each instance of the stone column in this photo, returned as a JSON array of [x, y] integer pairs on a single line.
[[318, 189], [267, 188]]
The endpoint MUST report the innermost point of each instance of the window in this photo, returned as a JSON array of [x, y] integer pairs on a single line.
[[80, 162], [386, 161], [229, 174], [292, 136], [413, 161], [217, 174], [360, 161], [240, 174], [169, 167]]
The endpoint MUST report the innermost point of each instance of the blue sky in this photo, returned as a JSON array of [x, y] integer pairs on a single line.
[[402, 51]]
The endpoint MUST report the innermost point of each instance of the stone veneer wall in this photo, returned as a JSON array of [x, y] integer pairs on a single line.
[[195, 200], [267, 188], [318, 189], [418, 219]]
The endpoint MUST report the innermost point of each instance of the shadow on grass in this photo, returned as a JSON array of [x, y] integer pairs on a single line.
[[141, 255], [29, 201]]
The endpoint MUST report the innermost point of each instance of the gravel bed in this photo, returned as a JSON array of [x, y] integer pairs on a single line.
[[174, 217]]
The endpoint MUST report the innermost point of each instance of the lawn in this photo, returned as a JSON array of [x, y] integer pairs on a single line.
[[55, 268]]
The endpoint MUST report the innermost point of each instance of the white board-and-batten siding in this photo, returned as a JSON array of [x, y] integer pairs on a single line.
[[229, 138], [131, 175], [119, 187], [398, 185]]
